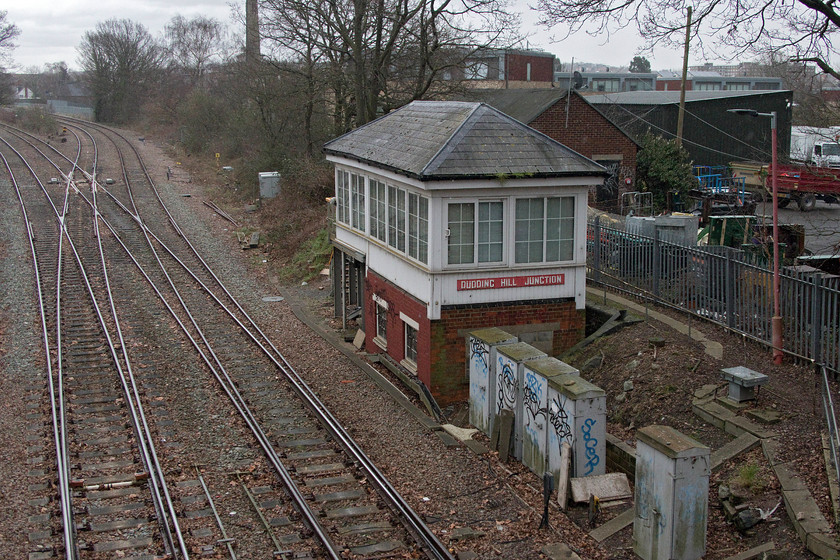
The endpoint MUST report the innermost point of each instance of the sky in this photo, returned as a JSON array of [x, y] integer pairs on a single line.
[[52, 29]]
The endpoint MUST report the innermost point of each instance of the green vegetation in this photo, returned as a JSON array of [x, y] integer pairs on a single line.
[[663, 167], [312, 257], [36, 120], [750, 477]]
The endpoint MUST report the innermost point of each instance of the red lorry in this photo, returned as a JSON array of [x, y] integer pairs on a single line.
[[803, 184]]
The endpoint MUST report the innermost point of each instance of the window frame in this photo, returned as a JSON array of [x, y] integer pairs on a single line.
[[358, 196], [378, 209], [421, 242], [545, 230], [476, 235], [380, 316], [409, 323], [342, 194]]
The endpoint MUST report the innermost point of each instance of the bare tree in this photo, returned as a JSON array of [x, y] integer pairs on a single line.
[[193, 44], [802, 29], [121, 61], [8, 32], [379, 54]]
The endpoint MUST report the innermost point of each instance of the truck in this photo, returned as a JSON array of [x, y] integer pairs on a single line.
[[815, 146], [803, 184]]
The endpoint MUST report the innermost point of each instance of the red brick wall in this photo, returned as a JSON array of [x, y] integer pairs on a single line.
[[449, 375], [589, 133], [542, 67], [441, 345], [398, 301]]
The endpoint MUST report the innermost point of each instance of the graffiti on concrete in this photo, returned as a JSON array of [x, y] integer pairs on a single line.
[[480, 357], [591, 445], [507, 384], [559, 420]]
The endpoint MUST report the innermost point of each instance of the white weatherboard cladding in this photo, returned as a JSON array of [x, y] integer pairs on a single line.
[[436, 283], [450, 295], [408, 277]]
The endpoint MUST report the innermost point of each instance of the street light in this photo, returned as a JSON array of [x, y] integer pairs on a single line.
[[776, 322]]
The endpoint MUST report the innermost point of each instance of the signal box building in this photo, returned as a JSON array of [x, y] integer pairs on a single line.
[[452, 216]]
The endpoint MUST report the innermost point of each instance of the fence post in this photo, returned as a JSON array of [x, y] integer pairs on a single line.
[[596, 249], [816, 319], [729, 290], [656, 262]]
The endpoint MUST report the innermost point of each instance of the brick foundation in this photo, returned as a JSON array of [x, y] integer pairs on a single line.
[[441, 344], [449, 376]]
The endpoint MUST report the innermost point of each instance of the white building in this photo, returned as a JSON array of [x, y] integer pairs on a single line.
[[452, 216]]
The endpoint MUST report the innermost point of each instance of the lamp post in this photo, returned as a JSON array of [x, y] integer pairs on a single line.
[[776, 321]]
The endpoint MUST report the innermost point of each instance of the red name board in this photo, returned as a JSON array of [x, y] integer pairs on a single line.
[[512, 282]]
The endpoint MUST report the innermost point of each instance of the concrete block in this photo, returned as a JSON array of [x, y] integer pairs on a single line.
[[787, 479], [754, 552], [613, 526], [559, 551], [732, 405], [505, 433], [823, 545], [739, 445], [767, 417], [476, 447], [705, 392], [465, 533], [804, 513], [770, 447], [611, 486], [447, 439]]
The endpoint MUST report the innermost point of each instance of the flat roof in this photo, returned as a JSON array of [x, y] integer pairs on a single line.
[[670, 97]]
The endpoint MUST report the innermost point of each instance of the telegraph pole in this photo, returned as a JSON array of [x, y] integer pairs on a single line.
[[681, 117]]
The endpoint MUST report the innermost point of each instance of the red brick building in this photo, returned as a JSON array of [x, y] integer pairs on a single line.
[[574, 122], [450, 217]]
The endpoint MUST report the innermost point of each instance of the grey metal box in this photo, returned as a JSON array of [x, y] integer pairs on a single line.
[[672, 495], [481, 356]]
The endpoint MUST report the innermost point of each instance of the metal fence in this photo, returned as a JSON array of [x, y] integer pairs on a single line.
[[730, 287]]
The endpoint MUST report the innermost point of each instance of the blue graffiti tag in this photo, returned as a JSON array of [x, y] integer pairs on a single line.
[[591, 443], [532, 395]]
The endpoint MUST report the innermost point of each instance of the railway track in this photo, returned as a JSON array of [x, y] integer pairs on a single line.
[[252, 461]]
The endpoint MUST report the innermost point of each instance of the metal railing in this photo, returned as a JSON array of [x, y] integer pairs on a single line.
[[727, 286]]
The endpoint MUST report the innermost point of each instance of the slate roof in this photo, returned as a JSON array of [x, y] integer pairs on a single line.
[[524, 105], [434, 140], [668, 97]]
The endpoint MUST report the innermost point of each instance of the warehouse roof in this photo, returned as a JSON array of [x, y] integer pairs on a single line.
[[433, 140], [669, 97]]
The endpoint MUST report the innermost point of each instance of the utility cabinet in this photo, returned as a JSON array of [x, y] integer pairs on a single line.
[[672, 495], [509, 382], [577, 413], [481, 350], [269, 184], [536, 421]]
